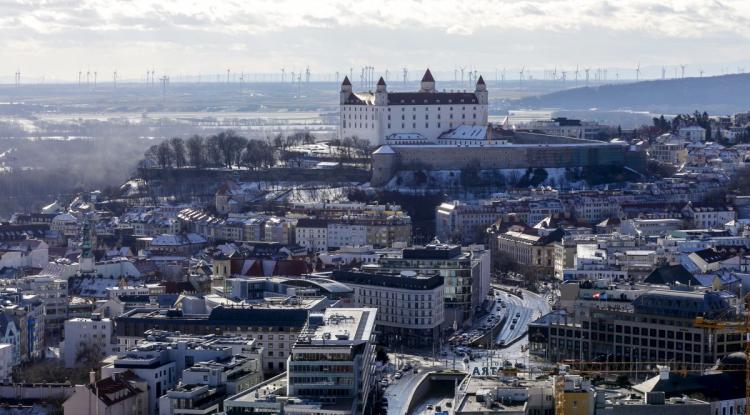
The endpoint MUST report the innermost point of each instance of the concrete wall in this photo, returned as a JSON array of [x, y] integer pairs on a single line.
[[33, 391]]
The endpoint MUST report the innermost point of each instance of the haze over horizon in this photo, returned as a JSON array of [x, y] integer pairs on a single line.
[[55, 40]]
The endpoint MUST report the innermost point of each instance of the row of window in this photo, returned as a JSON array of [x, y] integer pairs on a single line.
[[360, 108]]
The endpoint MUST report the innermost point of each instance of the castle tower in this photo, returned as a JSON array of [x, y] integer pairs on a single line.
[[346, 89], [381, 93], [86, 260], [481, 91], [428, 82]]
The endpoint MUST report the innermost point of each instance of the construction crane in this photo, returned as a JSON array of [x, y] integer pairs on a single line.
[[742, 327]]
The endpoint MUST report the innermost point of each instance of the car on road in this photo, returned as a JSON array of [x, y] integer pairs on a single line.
[[512, 326], [430, 407], [520, 365], [397, 375], [518, 314]]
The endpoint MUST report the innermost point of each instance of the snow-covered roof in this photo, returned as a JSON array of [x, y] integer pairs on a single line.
[[384, 150], [53, 207], [465, 132], [65, 217]]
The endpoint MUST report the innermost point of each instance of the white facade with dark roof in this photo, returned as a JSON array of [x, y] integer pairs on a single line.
[[427, 113]]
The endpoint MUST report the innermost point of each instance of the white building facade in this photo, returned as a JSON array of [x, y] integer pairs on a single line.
[[86, 337], [426, 113]]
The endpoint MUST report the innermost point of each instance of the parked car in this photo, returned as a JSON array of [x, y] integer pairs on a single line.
[[397, 375]]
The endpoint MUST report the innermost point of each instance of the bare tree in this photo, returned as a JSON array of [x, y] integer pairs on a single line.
[[213, 151], [196, 151], [178, 148], [164, 155]]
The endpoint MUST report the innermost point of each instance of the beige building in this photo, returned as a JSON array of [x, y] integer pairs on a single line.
[[669, 150], [530, 249]]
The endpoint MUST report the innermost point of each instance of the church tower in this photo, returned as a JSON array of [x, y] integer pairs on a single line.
[[428, 82]]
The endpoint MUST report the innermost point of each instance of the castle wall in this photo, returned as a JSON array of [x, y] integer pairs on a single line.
[[435, 157]]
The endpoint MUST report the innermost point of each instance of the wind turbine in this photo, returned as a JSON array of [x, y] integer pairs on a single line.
[[576, 74], [638, 72], [283, 75], [564, 75], [682, 67], [406, 75], [663, 73], [520, 76], [587, 75]]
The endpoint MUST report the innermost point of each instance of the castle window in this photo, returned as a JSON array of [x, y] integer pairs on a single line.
[[413, 125], [426, 117], [389, 126], [426, 125], [402, 126], [403, 117], [475, 116], [438, 125]]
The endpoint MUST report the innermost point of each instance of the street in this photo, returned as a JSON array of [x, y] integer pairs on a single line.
[[526, 309]]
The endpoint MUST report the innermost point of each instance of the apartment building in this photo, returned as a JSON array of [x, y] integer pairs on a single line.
[[410, 305], [465, 272]]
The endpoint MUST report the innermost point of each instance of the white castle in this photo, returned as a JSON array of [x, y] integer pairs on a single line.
[[420, 116]]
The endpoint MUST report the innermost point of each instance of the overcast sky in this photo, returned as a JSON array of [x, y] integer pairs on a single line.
[[57, 39]]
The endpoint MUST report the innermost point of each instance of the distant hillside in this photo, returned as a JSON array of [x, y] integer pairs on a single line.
[[725, 94]]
